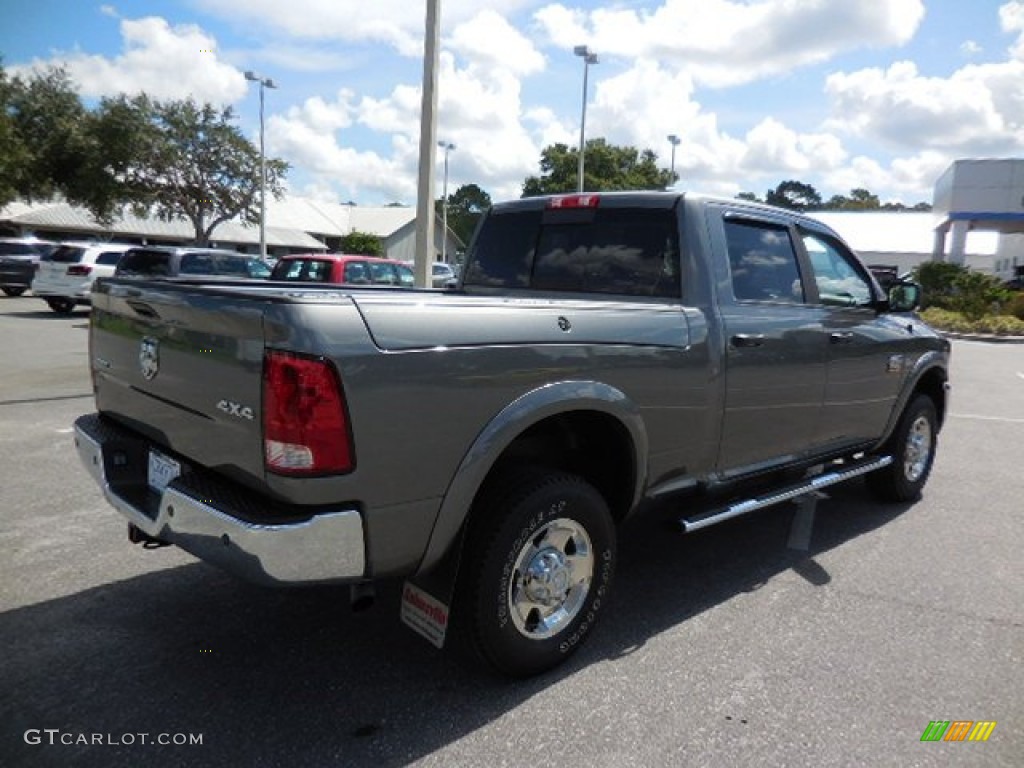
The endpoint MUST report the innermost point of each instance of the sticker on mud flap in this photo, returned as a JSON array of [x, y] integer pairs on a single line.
[[424, 614]]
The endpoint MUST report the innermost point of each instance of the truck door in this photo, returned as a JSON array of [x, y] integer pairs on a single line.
[[774, 349], [865, 366]]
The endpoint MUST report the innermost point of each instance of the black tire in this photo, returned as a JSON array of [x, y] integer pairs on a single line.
[[13, 291], [537, 570], [61, 306], [912, 447]]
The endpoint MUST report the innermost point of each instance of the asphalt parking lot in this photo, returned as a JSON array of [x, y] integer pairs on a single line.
[[724, 648]]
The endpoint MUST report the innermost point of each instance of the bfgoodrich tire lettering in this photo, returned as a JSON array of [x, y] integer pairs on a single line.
[[912, 446], [538, 567]]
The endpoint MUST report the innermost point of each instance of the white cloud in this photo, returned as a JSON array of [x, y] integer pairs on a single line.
[[490, 42], [1011, 19], [397, 23], [164, 61], [970, 48], [724, 42], [772, 148], [977, 111]]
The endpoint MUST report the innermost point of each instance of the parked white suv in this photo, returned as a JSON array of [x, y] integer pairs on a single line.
[[65, 276]]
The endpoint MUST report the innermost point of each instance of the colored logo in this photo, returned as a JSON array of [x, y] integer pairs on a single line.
[[958, 730]]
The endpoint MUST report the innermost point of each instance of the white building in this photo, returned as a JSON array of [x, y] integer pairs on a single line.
[[981, 196], [903, 239], [977, 219], [329, 222]]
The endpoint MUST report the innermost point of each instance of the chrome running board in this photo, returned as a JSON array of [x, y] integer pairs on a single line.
[[817, 482]]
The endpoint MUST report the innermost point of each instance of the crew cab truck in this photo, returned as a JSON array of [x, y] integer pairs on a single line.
[[484, 442]]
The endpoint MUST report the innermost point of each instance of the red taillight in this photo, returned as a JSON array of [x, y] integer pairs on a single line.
[[305, 424], [574, 201], [79, 270]]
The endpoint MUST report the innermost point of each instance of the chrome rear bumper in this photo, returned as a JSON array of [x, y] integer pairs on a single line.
[[328, 547]]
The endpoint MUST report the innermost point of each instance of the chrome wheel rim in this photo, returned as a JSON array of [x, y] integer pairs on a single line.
[[551, 578], [918, 449]]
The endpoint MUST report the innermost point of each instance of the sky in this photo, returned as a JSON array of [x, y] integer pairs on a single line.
[[841, 94]]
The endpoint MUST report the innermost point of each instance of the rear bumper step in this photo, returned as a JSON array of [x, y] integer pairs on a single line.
[[815, 483]]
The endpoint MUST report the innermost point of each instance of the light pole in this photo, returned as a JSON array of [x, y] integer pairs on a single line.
[[265, 82], [674, 141], [447, 146], [589, 57]]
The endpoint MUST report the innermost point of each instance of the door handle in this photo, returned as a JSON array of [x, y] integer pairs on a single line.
[[838, 337], [747, 339]]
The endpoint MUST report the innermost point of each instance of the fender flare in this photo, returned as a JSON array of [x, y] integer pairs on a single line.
[[934, 360], [527, 410]]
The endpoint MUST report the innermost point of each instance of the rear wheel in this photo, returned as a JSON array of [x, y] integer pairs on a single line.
[[912, 446], [538, 567], [61, 306], [13, 291]]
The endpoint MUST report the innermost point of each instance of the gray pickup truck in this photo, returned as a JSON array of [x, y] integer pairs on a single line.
[[484, 442]]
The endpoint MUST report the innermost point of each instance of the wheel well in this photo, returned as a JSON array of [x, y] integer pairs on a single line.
[[933, 384], [591, 444]]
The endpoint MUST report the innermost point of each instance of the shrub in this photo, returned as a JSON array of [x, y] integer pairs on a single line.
[[998, 325], [936, 279], [1015, 305], [976, 295]]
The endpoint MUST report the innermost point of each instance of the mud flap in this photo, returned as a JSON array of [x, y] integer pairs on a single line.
[[427, 597]]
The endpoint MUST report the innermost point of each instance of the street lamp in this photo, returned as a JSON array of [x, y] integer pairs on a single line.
[[589, 57], [447, 146], [265, 82], [674, 141]]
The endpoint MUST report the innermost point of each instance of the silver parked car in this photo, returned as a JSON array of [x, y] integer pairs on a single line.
[[18, 259]]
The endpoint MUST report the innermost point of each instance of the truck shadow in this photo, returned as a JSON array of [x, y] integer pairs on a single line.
[[293, 677]]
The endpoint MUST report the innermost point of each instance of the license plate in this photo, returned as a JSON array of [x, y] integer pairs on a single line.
[[162, 469]]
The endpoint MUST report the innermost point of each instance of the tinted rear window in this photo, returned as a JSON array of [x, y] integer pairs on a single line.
[[624, 251], [66, 254], [23, 249], [152, 263], [199, 263], [313, 270]]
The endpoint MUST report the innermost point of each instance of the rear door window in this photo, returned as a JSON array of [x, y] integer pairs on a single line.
[[763, 262]]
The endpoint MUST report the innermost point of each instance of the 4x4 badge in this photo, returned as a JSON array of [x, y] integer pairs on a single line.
[[149, 357]]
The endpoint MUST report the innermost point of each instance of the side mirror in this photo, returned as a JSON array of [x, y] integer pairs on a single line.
[[904, 296]]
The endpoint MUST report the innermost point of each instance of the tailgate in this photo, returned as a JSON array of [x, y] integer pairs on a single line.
[[184, 368]]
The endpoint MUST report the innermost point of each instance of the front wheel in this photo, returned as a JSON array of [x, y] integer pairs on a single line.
[[537, 571], [913, 451]]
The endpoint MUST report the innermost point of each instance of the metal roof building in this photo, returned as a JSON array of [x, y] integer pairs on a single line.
[[294, 225]]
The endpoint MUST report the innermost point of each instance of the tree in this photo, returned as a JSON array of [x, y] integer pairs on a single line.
[[608, 167], [42, 148], [795, 195], [362, 243], [175, 159], [465, 207], [750, 197]]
